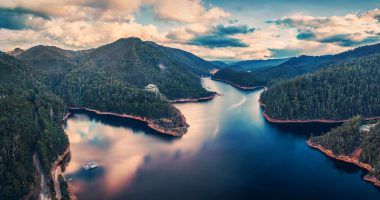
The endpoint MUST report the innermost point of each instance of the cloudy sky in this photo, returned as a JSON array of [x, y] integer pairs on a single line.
[[212, 29]]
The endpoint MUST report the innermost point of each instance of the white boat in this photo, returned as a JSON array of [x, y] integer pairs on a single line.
[[90, 165]]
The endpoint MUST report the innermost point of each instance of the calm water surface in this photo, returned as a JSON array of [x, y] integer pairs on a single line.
[[229, 152]]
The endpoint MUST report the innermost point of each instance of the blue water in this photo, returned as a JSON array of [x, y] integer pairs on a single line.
[[229, 152]]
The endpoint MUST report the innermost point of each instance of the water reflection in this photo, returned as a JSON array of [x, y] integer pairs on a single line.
[[229, 152]]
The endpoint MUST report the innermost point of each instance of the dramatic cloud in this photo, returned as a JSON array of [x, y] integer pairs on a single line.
[[19, 18], [207, 29], [346, 31], [212, 37], [216, 41]]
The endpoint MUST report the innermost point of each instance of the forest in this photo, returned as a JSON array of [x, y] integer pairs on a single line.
[[30, 122], [336, 92]]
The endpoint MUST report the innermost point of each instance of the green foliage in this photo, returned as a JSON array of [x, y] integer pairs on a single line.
[[342, 140], [30, 122], [337, 92], [371, 146], [241, 78]]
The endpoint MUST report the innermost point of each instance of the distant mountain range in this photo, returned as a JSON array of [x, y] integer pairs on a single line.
[[249, 65]]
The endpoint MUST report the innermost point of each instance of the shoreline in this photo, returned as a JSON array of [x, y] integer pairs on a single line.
[[239, 86], [149, 122], [348, 159], [188, 100], [286, 121], [55, 172]]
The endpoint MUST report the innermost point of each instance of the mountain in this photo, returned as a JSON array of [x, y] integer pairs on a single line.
[[219, 64], [305, 64], [190, 61], [15, 52], [48, 58], [240, 79], [249, 65], [337, 92], [130, 60]]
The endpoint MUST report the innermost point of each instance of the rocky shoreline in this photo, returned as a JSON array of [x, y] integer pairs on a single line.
[[149, 122], [239, 86], [349, 159], [195, 99]]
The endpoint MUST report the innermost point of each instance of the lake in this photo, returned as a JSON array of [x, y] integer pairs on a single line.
[[229, 152]]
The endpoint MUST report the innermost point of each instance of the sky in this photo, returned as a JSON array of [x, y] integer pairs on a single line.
[[211, 29]]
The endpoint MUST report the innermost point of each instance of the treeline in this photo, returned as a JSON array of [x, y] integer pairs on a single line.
[[241, 78], [345, 139], [335, 93]]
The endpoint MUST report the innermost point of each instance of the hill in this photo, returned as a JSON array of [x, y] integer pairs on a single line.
[[250, 65], [305, 64], [131, 60], [337, 92], [240, 79]]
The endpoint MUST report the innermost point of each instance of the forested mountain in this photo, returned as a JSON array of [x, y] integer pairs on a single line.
[[249, 65], [347, 138], [305, 64], [190, 61], [141, 63], [130, 60], [337, 92], [30, 122], [219, 64], [237, 78], [49, 58]]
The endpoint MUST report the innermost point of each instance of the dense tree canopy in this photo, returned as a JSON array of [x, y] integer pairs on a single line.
[[30, 122], [337, 92]]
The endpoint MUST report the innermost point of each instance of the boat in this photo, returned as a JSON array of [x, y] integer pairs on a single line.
[[90, 165]]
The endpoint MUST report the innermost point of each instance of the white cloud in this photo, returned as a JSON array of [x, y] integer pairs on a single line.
[[347, 31], [187, 11]]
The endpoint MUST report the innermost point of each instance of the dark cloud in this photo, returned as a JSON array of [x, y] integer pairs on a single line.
[[286, 22], [15, 18], [220, 36], [232, 30], [306, 35], [345, 40], [215, 41], [284, 53], [377, 17], [308, 29]]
